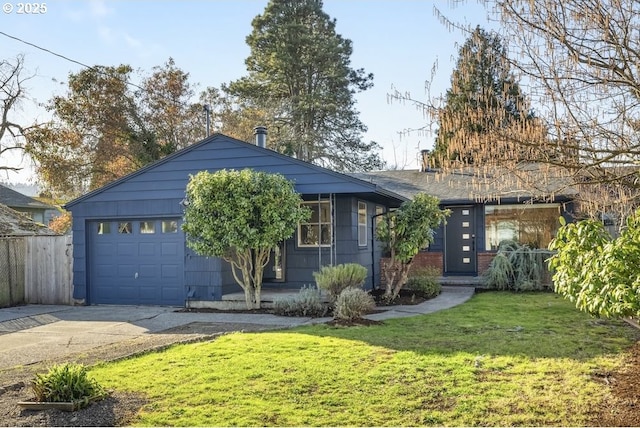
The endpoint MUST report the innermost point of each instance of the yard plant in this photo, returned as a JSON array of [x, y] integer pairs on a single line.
[[335, 279], [66, 382], [404, 232], [519, 268], [501, 359], [241, 216], [597, 272]]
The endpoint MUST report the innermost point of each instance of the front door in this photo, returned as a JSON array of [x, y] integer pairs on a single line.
[[274, 270], [460, 242]]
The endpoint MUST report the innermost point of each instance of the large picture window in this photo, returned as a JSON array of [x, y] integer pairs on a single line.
[[532, 224], [317, 230]]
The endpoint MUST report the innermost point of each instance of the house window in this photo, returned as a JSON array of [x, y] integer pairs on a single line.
[[317, 230], [147, 227], [125, 227], [532, 224], [362, 224], [169, 226], [104, 227]]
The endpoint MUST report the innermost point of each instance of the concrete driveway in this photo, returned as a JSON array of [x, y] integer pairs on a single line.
[[41, 333], [37, 333]]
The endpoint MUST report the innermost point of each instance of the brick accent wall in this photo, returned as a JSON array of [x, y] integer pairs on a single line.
[[436, 260], [421, 260], [484, 260], [428, 259]]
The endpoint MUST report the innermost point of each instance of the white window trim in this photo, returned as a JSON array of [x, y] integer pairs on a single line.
[[320, 223], [363, 226]]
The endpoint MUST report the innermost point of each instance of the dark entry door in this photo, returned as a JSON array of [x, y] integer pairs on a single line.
[[460, 242]]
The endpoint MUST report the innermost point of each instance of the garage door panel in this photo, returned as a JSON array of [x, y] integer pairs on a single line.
[[104, 249], [142, 266], [147, 248], [169, 293], [104, 271], [126, 271], [126, 249], [169, 249], [148, 271]]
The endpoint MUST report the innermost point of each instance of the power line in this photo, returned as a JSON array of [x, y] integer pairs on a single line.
[[47, 50], [95, 69]]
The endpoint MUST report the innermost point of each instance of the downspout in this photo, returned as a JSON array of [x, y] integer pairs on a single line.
[[319, 231], [332, 205], [373, 250]]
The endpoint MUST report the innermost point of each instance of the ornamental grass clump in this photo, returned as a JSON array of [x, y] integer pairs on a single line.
[[66, 382], [353, 303], [335, 279]]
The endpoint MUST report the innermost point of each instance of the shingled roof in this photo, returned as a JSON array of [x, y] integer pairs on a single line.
[[466, 186], [14, 223], [13, 199]]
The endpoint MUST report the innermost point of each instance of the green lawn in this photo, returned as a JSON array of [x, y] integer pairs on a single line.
[[500, 359]]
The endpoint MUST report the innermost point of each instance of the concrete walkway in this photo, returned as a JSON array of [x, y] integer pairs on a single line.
[[36, 333]]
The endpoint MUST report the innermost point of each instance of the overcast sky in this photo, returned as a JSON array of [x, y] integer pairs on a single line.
[[399, 41]]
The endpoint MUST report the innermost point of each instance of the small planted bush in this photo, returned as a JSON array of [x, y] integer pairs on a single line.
[[66, 383], [353, 303], [335, 279], [307, 303], [425, 282], [519, 268]]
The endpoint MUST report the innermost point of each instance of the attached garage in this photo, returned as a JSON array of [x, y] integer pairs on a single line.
[[129, 249], [136, 262]]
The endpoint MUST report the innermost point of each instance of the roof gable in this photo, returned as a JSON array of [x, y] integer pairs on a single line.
[[168, 177]]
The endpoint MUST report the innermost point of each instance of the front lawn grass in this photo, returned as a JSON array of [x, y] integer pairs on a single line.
[[501, 359]]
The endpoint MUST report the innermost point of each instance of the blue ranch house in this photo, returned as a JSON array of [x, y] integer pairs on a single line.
[[129, 247]]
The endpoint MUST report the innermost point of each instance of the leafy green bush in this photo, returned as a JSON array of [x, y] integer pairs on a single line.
[[307, 303], [353, 303], [65, 383], [425, 282], [597, 272], [519, 268], [335, 279]]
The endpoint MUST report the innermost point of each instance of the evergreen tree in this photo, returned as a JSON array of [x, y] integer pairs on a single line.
[[484, 100], [300, 74]]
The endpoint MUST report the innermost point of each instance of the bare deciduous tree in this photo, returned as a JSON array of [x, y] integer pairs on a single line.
[[12, 92], [578, 61]]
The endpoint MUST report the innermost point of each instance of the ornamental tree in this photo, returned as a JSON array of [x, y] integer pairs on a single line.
[[404, 233], [596, 272], [240, 216]]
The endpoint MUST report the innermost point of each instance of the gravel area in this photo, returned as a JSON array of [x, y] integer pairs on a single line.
[[119, 408]]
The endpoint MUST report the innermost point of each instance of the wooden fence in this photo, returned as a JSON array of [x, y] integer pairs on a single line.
[[36, 269]]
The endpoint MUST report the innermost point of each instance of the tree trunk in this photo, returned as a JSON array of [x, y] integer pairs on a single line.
[[390, 272], [402, 280]]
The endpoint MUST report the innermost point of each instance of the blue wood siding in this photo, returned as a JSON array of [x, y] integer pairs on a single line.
[[202, 276], [157, 191]]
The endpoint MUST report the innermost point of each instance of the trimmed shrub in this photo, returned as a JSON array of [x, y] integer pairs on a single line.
[[66, 383], [335, 279], [353, 303], [307, 303], [425, 282]]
